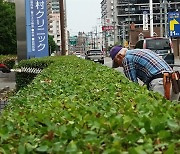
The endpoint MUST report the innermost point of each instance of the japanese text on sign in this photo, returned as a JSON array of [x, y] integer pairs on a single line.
[[38, 20], [174, 24]]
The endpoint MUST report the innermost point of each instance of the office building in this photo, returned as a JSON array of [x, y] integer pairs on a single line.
[[54, 28], [127, 18]]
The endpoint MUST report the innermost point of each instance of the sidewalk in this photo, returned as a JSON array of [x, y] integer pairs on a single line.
[[7, 80], [177, 61]]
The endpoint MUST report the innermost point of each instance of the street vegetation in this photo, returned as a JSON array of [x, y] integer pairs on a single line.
[[78, 106], [7, 28]]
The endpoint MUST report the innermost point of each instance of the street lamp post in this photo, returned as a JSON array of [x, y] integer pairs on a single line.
[[129, 22], [165, 17], [63, 42], [151, 18], [114, 25], [161, 26]]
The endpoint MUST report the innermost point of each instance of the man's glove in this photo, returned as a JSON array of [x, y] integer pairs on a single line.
[[4, 68]]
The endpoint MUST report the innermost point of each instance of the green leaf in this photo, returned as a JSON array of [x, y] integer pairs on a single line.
[[21, 149], [173, 125], [2, 151], [164, 134], [170, 150], [42, 148], [57, 147], [30, 147], [137, 150], [71, 147]]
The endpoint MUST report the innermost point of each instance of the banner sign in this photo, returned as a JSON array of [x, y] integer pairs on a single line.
[[107, 28], [73, 40], [37, 30], [174, 24], [145, 20]]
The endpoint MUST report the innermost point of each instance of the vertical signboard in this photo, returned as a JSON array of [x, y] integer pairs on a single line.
[[174, 24], [145, 20], [36, 28]]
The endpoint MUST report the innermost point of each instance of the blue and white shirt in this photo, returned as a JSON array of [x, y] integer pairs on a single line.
[[143, 64]]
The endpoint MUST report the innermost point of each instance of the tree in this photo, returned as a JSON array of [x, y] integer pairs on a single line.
[[8, 43], [52, 44]]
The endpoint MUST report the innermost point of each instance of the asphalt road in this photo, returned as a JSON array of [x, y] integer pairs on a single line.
[[7, 80], [108, 62]]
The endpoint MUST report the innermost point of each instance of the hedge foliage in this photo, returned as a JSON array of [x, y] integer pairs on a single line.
[[77, 106], [8, 60], [23, 78]]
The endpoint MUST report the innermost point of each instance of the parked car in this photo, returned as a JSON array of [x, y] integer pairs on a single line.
[[162, 46], [95, 55], [78, 53]]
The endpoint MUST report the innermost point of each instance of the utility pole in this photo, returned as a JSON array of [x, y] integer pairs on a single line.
[[92, 44], [165, 17], [105, 36], [63, 37], [96, 39], [161, 26], [129, 23], [151, 18], [123, 34], [114, 23]]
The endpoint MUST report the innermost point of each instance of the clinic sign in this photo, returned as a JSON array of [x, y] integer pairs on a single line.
[[31, 29], [36, 28], [174, 24]]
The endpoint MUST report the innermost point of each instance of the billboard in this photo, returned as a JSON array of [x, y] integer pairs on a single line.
[[107, 28], [174, 24], [145, 20], [36, 28]]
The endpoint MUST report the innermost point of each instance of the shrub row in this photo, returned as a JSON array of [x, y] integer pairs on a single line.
[[25, 78], [77, 106]]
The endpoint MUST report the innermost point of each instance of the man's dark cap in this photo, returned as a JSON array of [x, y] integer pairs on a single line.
[[113, 53]]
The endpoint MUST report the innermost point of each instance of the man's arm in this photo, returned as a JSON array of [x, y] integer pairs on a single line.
[[129, 70]]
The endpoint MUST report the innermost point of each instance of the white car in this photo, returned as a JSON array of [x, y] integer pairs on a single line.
[[77, 53]]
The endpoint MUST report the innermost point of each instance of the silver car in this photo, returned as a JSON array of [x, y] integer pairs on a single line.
[[162, 46], [95, 55]]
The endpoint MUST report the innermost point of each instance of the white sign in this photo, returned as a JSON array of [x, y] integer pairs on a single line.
[[145, 20]]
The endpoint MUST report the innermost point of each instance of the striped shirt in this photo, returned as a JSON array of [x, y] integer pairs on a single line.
[[143, 64]]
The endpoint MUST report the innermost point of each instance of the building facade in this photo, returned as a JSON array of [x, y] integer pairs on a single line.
[[54, 28], [107, 21], [127, 18]]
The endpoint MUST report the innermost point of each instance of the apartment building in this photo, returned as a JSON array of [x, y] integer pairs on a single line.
[[108, 21], [127, 17], [54, 28]]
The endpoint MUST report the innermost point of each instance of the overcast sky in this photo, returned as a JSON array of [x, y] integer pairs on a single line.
[[82, 15]]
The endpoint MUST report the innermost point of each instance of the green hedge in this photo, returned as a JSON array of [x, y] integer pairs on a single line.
[[23, 79], [77, 106]]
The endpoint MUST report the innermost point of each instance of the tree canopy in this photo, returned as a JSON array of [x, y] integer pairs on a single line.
[[52, 44], [8, 40], [8, 43]]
